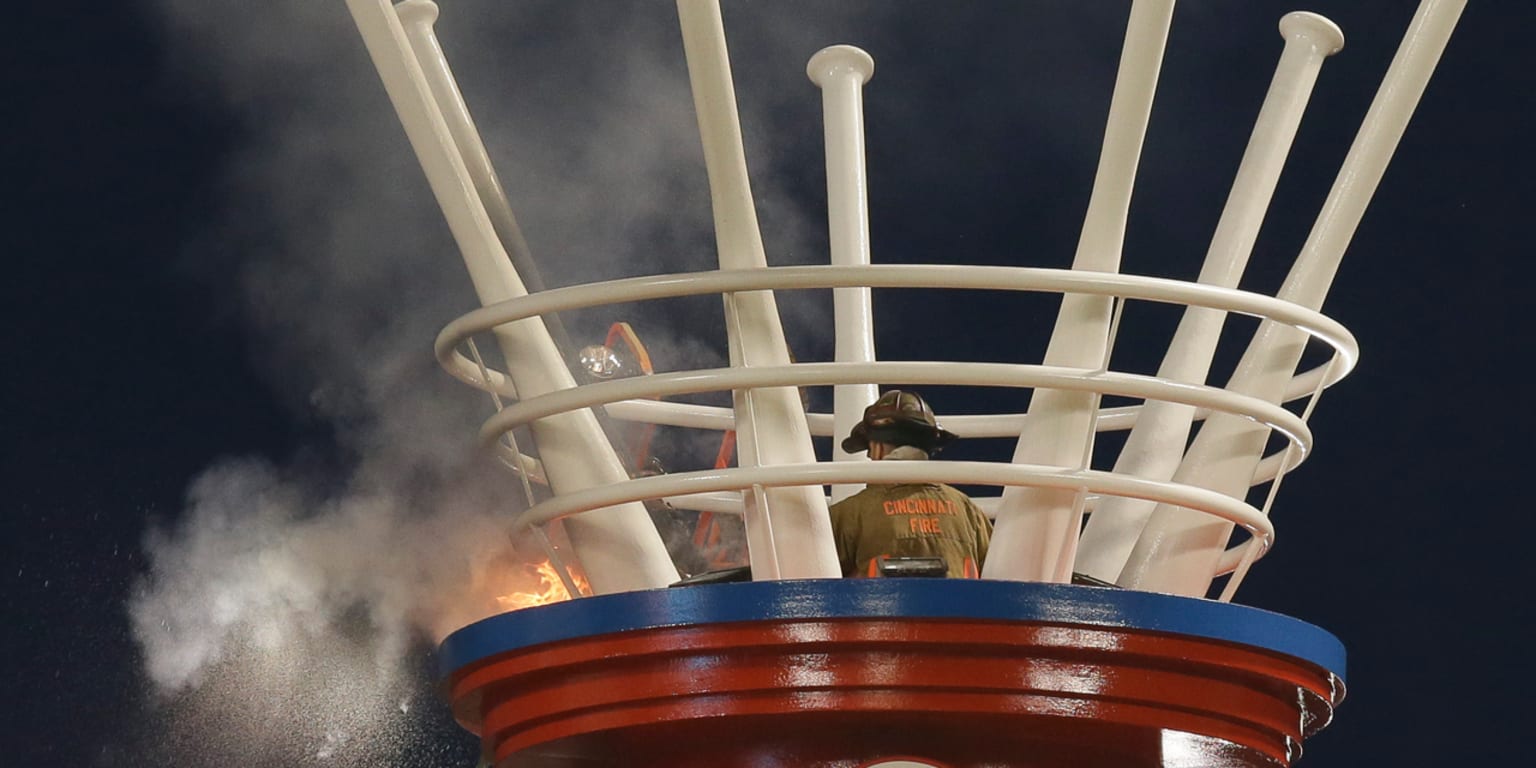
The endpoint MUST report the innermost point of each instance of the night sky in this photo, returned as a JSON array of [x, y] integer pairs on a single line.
[[239, 490]]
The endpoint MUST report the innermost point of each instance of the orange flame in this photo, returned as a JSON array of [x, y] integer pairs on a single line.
[[550, 589]]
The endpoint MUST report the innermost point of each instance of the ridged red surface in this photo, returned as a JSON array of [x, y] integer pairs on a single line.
[[847, 691]]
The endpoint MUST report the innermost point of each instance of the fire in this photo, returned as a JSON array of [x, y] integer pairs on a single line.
[[549, 589]]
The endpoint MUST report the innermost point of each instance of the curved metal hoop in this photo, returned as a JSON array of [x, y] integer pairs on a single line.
[[1239, 513], [633, 399], [990, 278], [964, 374]]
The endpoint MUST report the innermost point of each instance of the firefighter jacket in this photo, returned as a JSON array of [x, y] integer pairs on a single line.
[[910, 520]]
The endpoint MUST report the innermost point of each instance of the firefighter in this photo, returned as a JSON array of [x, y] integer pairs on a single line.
[[908, 520]]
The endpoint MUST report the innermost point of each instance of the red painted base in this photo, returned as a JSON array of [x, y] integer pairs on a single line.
[[850, 691]]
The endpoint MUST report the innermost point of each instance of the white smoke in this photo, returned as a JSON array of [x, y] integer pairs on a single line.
[[258, 560], [284, 608]]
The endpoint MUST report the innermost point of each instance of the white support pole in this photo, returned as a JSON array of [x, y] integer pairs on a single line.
[[770, 422], [1178, 550], [1154, 446], [417, 17], [841, 72], [1036, 533], [619, 547]]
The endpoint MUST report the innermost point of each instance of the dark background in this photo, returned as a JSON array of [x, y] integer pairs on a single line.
[[150, 167]]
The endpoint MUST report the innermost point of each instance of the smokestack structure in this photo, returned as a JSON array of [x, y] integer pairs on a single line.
[[1075, 649]]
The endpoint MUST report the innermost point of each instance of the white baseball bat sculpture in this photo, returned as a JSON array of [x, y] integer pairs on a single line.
[[841, 72], [1036, 534], [1155, 445], [619, 547], [788, 530], [1179, 549]]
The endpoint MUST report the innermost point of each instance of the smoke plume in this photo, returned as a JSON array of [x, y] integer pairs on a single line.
[[285, 612], [285, 609]]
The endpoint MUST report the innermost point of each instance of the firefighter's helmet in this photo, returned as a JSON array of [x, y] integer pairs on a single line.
[[899, 418]]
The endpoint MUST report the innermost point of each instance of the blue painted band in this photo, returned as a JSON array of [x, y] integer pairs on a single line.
[[891, 599]]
